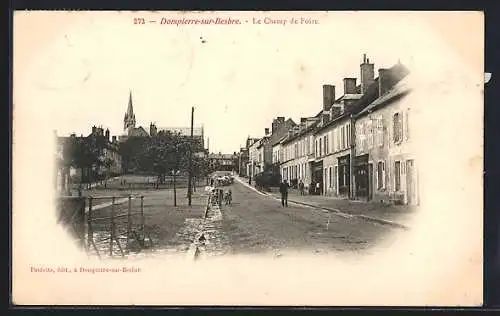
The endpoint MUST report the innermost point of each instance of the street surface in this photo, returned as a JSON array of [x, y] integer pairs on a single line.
[[254, 223]]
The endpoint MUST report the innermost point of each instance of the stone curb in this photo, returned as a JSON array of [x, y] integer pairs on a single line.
[[365, 217], [193, 252], [344, 214]]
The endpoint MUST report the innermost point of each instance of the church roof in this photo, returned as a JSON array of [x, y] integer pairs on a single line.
[[137, 131]]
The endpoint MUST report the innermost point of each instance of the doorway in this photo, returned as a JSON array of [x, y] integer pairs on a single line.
[[370, 181]]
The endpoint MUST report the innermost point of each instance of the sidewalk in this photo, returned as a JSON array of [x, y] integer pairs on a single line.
[[396, 215]]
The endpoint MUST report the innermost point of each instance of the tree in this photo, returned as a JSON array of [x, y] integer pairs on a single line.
[[164, 153], [130, 150], [108, 163]]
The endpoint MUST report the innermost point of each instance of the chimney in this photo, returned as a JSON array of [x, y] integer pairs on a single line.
[[281, 119], [114, 139], [349, 85], [336, 110], [303, 120], [328, 96], [383, 82], [107, 135], [367, 74], [266, 131], [325, 118], [94, 129]]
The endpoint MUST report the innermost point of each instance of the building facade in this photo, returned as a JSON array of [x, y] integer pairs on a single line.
[[389, 172], [253, 158], [297, 152], [222, 162]]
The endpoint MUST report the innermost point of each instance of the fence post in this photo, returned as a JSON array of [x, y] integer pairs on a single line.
[[142, 213], [112, 227], [90, 233], [129, 217]]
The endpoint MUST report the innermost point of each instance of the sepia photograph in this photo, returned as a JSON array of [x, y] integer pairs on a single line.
[[248, 158]]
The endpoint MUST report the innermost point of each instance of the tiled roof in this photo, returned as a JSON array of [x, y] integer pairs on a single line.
[[301, 133], [399, 89], [395, 74]]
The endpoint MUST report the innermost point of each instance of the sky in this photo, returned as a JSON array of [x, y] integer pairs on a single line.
[[79, 72]]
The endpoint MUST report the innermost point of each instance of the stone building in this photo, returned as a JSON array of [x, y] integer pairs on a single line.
[[296, 152], [253, 165], [222, 162], [388, 169]]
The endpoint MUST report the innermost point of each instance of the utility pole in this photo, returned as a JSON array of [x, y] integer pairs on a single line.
[[190, 176]]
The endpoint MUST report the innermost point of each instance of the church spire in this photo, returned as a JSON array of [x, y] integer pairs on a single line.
[[130, 109], [129, 120]]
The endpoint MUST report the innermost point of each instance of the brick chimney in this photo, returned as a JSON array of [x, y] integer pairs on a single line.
[[349, 85], [336, 110], [266, 131], [383, 81], [367, 74], [328, 96], [325, 118], [277, 123], [303, 120]]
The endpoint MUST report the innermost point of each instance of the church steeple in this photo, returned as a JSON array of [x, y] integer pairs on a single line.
[[129, 120]]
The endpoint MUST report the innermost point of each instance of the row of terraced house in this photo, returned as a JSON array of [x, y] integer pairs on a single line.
[[359, 145]]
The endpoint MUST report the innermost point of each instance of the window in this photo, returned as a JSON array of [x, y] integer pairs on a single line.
[[348, 136], [380, 132], [397, 175], [337, 131], [320, 147], [380, 175], [342, 135], [370, 134], [407, 124], [325, 145], [397, 127], [330, 176]]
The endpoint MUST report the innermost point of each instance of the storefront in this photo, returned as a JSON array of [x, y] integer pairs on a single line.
[[317, 177], [362, 177], [344, 174]]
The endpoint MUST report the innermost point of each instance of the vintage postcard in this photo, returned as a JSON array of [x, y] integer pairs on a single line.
[[247, 158]]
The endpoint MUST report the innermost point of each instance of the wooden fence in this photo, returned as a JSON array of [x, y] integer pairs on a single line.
[[105, 224]]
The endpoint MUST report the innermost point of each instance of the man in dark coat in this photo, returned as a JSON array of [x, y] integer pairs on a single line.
[[284, 193]]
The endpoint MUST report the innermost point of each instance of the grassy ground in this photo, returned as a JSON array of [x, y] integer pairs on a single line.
[[162, 220]]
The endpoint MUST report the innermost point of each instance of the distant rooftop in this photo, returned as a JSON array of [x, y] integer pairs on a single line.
[[185, 131]]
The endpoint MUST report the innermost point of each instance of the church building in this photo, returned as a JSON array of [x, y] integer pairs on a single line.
[[129, 123]]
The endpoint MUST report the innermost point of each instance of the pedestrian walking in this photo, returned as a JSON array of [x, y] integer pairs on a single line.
[[284, 193], [221, 197], [301, 187]]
